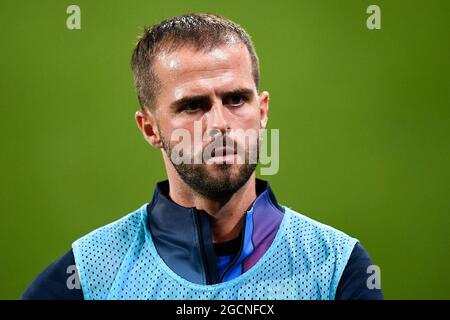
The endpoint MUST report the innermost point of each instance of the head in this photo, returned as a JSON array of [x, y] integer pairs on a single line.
[[200, 73]]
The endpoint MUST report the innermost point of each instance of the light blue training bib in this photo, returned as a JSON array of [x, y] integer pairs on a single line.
[[305, 261]]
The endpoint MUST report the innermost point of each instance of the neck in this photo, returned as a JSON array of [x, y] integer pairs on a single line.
[[226, 216]]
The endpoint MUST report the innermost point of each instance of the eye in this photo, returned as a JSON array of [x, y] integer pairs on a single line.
[[192, 106], [235, 100]]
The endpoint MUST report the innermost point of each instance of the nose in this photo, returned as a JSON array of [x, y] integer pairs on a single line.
[[217, 119]]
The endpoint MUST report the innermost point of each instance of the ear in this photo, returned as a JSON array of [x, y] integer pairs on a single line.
[[147, 124], [264, 108]]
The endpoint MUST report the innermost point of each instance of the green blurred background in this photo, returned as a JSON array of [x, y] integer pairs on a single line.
[[363, 118]]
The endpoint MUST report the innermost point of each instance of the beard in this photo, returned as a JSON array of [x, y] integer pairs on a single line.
[[218, 186]]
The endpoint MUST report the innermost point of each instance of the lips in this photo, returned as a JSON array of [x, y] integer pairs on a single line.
[[222, 151]]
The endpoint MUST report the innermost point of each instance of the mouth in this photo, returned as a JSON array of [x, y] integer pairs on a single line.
[[222, 155], [222, 152]]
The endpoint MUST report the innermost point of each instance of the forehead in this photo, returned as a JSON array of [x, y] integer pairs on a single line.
[[190, 71]]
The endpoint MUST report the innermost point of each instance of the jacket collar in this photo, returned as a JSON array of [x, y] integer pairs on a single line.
[[182, 236]]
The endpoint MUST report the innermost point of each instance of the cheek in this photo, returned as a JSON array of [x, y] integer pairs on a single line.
[[176, 131], [246, 118], [166, 129]]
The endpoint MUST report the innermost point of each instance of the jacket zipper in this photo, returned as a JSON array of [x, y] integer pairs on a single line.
[[238, 255], [198, 225]]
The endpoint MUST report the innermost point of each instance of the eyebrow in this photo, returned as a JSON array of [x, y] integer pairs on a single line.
[[240, 91]]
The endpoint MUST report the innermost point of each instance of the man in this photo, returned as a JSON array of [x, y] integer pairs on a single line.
[[212, 230]]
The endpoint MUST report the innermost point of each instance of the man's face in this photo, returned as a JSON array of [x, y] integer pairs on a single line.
[[214, 89]]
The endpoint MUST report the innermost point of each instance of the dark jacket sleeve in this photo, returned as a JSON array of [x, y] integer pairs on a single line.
[[52, 283], [353, 283]]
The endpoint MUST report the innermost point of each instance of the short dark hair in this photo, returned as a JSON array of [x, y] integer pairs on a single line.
[[200, 30]]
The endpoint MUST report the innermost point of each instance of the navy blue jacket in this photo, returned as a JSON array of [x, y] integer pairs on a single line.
[[202, 261]]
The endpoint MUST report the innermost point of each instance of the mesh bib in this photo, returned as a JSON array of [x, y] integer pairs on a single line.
[[119, 261]]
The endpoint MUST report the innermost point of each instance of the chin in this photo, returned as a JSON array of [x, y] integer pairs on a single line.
[[226, 172]]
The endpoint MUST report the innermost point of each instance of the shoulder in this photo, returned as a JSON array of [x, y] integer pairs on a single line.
[[319, 246], [352, 259], [100, 253], [353, 284], [113, 236], [56, 282], [313, 232], [121, 229]]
